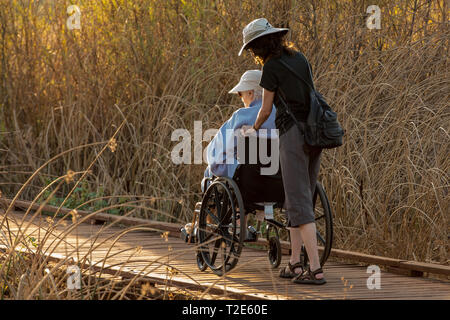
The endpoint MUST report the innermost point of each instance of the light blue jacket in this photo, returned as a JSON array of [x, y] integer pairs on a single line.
[[225, 143]]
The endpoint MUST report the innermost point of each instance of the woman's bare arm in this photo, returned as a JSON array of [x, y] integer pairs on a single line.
[[266, 108]]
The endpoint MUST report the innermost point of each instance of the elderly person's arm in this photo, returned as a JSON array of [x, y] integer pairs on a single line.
[[220, 150]]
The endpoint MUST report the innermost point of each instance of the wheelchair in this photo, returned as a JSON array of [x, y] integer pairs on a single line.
[[219, 225]]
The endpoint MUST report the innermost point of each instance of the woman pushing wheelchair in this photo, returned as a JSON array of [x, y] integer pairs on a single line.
[[299, 163], [227, 193]]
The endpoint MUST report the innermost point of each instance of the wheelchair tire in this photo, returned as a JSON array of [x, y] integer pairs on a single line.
[[222, 206], [274, 252], [274, 245], [200, 262]]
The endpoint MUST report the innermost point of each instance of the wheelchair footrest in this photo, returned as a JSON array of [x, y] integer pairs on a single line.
[[185, 235], [252, 235]]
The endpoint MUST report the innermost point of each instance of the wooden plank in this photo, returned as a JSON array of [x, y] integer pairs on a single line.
[[158, 278], [253, 273], [405, 272], [415, 267], [366, 258], [425, 267], [131, 221]]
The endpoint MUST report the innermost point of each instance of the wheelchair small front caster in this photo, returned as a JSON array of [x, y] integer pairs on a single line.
[[274, 251]]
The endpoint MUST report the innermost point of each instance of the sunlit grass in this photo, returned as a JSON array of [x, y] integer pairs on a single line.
[[149, 67]]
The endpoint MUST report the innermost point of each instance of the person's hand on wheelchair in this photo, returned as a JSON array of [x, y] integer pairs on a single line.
[[247, 130]]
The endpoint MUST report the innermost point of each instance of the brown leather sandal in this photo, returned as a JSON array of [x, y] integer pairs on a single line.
[[291, 273], [309, 277]]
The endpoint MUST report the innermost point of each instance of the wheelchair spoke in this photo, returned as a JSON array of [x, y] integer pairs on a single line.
[[227, 237], [217, 202], [233, 244], [224, 211], [319, 236], [209, 236], [215, 252], [213, 216]]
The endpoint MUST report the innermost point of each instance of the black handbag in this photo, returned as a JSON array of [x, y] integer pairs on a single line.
[[322, 128]]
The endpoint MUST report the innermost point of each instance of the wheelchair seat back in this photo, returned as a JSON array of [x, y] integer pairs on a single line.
[[254, 185]]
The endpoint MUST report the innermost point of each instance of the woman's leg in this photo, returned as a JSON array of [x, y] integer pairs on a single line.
[[299, 168], [308, 232], [296, 246], [314, 167], [287, 153]]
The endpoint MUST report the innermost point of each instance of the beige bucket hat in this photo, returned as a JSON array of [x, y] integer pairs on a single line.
[[258, 28], [249, 81]]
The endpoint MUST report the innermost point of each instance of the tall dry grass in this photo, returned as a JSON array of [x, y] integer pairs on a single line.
[[161, 65], [32, 266]]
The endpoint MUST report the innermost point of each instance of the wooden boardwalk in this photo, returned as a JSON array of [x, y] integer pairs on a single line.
[[253, 278]]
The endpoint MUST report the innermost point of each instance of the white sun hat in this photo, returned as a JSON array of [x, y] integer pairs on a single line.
[[249, 81], [258, 28]]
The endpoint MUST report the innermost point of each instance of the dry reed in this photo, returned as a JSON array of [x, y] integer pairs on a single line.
[[149, 67]]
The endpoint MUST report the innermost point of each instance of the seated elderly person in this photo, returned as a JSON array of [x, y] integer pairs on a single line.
[[224, 144]]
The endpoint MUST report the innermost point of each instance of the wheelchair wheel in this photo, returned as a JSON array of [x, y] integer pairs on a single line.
[[219, 237], [274, 250], [200, 262], [324, 226]]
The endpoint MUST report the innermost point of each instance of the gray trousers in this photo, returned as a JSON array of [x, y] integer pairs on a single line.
[[300, 166]]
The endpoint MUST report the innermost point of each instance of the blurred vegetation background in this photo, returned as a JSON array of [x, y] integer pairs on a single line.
[[161, 65]]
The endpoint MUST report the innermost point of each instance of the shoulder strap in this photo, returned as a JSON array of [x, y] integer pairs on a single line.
[[296, 74], [288, 110], [301, 78]]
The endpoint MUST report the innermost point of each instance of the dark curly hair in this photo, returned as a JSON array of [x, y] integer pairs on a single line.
[[270, 46]]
